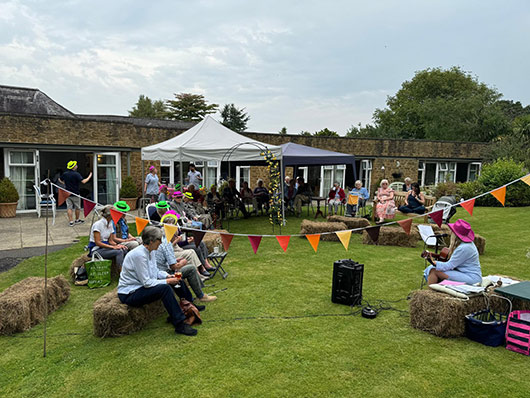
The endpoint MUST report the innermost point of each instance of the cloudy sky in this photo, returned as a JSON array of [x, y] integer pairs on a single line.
[[305, 65]]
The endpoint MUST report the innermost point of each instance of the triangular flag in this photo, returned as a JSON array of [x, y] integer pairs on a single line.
[[526, 179], [255, 240], [170, 230], [140, 224], [437, 217], [227, 239], [62, 196], [116, 215], [500, 194], [197, 237], [406, 225], [313, 239], [344, 237], [468, 205], [88, 206], [283, 240], [373, 232]]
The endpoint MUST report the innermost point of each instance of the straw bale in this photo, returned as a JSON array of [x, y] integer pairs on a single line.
[[315, 227], [213, 240], [112, 318], [351, 222], [22, 304], [82, 259], [480, 243], [393, 236]]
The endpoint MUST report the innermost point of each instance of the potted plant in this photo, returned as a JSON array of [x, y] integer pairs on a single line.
[[8, 198], [129, 192]]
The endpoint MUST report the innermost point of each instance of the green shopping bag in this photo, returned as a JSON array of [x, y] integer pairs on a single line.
[[98, 271]]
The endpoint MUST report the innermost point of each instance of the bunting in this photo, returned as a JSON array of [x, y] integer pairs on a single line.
[[255, 240], [468, 205], [406, 225], [170, 231], [500, 194], [141, 223], [526, 179], [373, 232], [437, 217], [62, 196], [88, 206], [344, 237], [313, 239], [197, 237], [283, 241], [116, 215], [227, 239]]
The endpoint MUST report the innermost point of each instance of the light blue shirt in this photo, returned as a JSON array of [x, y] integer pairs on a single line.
[[139, 270], [152, 184], [464, 259], [361, 193], [165, 256]]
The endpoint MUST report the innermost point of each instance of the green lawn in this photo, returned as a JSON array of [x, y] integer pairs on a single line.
[[244, 350]]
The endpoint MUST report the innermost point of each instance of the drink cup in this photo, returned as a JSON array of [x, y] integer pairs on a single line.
[[216, 249]]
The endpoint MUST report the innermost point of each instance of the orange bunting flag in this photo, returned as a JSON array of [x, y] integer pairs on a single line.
[[116, 215], [468, 205], [140, 224], [227, 239], [313, 239], [255, 240], [406, 225], [526, 179], [62, 196], [170, 231], [344, 237], [500, 194], [283, 241]]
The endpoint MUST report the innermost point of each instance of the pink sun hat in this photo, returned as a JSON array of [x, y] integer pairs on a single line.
[[463, 230]]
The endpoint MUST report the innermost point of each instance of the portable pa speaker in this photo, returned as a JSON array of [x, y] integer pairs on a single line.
[[347, 287]]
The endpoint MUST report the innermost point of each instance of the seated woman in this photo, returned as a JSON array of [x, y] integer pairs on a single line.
[[247, 196], [215, 202], [261, 194], [290, 194], [363, 195], [386, 207], [142, 283], [102, 239], [407, 186], [336, 196], [121, 231], [163, 194], [157, 211], [414, 202], [463, 264]]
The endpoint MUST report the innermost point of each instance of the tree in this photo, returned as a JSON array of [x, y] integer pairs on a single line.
[[443, 105], [305, 133], [326, 133], [233, 118], [283, 131], [513, 110], [189, 107], [368, 130], [147, 108], [513, 145]]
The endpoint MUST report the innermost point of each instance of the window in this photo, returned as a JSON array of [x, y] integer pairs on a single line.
[[432, 173], [473, 171], [22, 169], [421, 173], [330, 174], [211, 174], [165, 171], [446, 172], [242, 174], [366, 173]]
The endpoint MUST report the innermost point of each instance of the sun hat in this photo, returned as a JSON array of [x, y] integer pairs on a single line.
[[189, 195], [71, 164], [177, 194], [151, 168], [163, 186], [462, 229], [170, 214], [121, 205], [162, 205]]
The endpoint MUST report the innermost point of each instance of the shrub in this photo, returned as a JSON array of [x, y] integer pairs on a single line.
[[500, 172], [8, 192], [446, 189], [128, 188], [468, 190]]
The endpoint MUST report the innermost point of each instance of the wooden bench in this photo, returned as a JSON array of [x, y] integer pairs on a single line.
[[399, 200]]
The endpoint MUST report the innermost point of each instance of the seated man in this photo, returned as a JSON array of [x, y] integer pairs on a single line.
[[262, 196], [363, 195], [303, 194], [232, 197], [180, 207], [157, 211], [191, 214], [142, 283]]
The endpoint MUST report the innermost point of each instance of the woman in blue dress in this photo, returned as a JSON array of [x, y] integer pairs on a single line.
[[415, 201]]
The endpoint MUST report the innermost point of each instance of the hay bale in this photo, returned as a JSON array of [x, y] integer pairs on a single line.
[[314, 227], [112, 318], [22, 305], [351, 222], [480, 243], [213, 240], [78, 262], [393, 236]]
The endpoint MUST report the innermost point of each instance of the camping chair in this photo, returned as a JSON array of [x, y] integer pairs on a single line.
[[150, 205], [430, 239], [142, 205], [44, 200]]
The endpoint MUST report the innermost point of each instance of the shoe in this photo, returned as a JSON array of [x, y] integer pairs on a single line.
[[207, 299], [184, 328], [79, 221], [211, 269], [204, 278], [199, 307], [205, 273], [71, 223]]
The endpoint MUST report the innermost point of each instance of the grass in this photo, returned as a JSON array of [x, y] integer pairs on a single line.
[[244, 350]]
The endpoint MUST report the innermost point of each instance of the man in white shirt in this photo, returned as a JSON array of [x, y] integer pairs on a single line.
[[194, 176]]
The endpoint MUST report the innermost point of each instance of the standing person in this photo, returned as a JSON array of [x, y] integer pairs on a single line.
[[152, 184], [386, 207], [71, 180], [142, 283], [194, 176], [336, 196]]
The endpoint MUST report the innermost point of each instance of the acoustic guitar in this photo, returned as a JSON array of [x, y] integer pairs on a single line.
[[442, 256]]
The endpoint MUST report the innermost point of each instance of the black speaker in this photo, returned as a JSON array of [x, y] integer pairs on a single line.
[[347, 287]]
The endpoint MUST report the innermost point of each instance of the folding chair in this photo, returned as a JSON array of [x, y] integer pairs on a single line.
[[217, 260], [43, 200]]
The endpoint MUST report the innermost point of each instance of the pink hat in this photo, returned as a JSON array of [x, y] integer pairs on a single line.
[[151, 168], [463, 230]]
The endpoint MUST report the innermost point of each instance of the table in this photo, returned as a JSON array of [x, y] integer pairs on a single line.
[[318, 200], [217, 260]]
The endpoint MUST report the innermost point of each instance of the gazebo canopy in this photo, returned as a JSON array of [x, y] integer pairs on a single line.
[[302, 155]]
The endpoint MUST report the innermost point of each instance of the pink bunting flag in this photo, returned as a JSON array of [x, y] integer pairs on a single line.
[[437, 217], [227, 239], [255, 240], [62, 196], [406, 225], [283, 240], [88, 206], [468, 205]]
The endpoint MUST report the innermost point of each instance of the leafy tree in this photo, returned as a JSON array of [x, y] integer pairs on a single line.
[[147, 108], [235, 119], [513, 110], [305, 133], [326, 133], [515, 144], [368, 130], [189, 107], [283, 131], [443, 105]]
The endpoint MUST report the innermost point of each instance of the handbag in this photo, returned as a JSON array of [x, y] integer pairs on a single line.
[[98, 270], [193, 317], [518, 332], [81, 276]]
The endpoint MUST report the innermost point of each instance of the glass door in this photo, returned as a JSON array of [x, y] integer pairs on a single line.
[[22, 169], [107, 174]]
